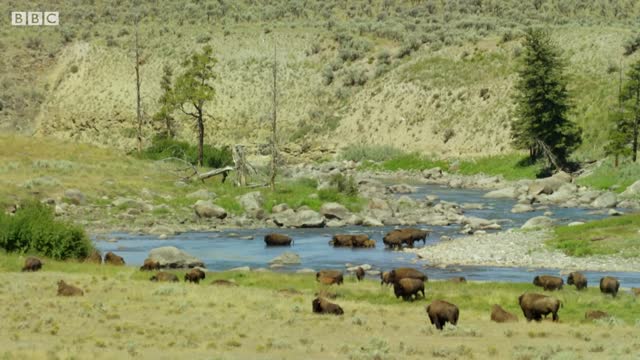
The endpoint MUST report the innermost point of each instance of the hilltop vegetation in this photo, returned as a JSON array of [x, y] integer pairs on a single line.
[[433, 76]]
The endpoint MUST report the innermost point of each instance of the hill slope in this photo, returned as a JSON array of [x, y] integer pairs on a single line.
[[433, 76]]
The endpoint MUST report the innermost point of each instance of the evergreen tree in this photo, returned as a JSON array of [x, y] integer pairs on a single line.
[[167, 103], [193, 89], [542, 103], [631, 97]]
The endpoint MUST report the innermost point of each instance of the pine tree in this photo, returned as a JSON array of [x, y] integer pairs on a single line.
[[542, 103], [167, 103], [631, 96]]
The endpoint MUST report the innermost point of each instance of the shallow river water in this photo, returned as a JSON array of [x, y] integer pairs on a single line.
[[227, 249]]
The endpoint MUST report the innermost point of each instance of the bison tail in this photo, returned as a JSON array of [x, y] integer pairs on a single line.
[[561, 303]]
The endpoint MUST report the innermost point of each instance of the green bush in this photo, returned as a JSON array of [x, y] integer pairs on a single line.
[[33, 229], [163, 147], [344, 184]]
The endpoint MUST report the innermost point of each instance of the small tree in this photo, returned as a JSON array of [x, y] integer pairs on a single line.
[[167, 102], [542, 103], [193, 89], [631, 96], [139, 62]]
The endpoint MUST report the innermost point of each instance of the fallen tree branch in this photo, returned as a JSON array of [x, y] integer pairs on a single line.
[[224, 171]]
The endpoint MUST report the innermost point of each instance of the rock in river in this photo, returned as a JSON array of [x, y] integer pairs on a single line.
[[172, 257], [538, 222], [286, 258], [303, 218]]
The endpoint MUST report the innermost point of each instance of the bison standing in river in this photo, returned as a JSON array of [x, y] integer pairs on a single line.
[[278, 240]]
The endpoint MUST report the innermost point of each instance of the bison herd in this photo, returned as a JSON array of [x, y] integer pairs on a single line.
[[408, 283], [394, 239]]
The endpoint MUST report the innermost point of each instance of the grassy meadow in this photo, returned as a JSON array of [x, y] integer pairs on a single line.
[[124, 315]]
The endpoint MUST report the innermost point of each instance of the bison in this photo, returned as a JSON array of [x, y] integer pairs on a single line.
[[393, 240], [595, 315], [362, 241], [398, 237], [407, 288], [32, 264], [384, 277], [94, 258], [578, 279], [329, 277], [223, 282], [359, 273], [535, 305], [113, 259], [164, 277], [194, 276], [278, 240], [150, 265], [635, 291], [457, 279], [65, 289], [401, 273], [609, 285], [323, 306], [339, 240], [548, 283], [500, 315], [440, 312]]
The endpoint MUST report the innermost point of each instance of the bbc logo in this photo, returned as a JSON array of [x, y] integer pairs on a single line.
[[34, 18]]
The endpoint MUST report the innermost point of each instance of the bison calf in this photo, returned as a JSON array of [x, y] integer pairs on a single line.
[[277, 240], [578, 279], [500, 315], [65, 289], [194, 276], [323, 306], [164, 277], [457, 279], [329, 277], [440, 312], [407, 288], [609, 285], [113, 259], [94, 258], [32, 264], [359, 273], [534, 306], [548, 283], [596, 314]]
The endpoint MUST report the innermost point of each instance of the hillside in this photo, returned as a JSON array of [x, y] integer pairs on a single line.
[[432, 76]]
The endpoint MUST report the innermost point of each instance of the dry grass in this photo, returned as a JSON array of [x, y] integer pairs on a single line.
[[122, 315]]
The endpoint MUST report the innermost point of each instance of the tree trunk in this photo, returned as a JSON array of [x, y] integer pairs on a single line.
[[274, 140], [240, 165], [138, 98], [200, 136]]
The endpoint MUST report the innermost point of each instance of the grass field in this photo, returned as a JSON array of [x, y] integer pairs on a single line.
[[123, 315], [614, 235]]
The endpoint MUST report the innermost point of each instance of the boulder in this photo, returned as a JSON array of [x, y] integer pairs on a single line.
[[405, 203], [434, 173], [401, 189], [300, 219], [172, 257], [522, 208], [575, 223], [588, 197], [334, 223], [354, 219], [74, 196], [476, 223], [279, 208], [206, 209], [629, 204], [538, 222], [202, 194], [614, 212], [251, 201], [332, 210], [632, 190], [371, 221], [605, 200], [286, 258], [506, 193], [379, 204]]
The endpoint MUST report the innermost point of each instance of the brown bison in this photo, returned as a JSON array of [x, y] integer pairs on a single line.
[[635, 291], [329, 277], [150, 265], [222, 282], [359, 273], [357, 241], [94, 258], [457, 279], [194, 276], [535, 305], [65, 289], [162, 276], [500, 315], [596, 314], [339, 240], [32, 264], [401, 273], [113, 259], [396, 238], [440, 312], [384, 277], [407, 288], [393, 240], [278, 240], [578, 279], [547, 282], [609, 285], [323, 306]]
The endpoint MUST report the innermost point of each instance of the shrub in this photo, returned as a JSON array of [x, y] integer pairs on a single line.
[[344, 184], [162, 148], [327, 75], [370, 152], [632, 45], [355, 77], [74, 69], [34, 229], [203, 38]]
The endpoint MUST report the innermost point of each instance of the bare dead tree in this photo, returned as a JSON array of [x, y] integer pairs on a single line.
[[138, 83], [274, 139]]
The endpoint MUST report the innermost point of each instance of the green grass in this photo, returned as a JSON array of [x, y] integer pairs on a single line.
[[615, 235], [370, 152], [509, 166], [609, 177], [412, 161], [472, 297]]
